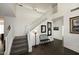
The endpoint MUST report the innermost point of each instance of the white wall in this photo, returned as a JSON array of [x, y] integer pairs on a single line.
[[1, 25], [24, 16], [38, 29], [7, 9], [58, 22], [71, 41], [8, 21]]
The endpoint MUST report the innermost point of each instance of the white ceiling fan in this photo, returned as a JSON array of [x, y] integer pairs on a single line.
[[32, 8]]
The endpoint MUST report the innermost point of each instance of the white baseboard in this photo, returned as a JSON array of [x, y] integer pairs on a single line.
[[72, 48]]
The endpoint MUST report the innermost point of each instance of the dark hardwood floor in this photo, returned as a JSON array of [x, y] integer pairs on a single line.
[[52, 48]]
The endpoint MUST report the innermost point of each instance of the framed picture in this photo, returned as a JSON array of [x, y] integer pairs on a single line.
[[74, 25], [43, 28], [49, 24], [49, 32], [56, 28], [49, 28]]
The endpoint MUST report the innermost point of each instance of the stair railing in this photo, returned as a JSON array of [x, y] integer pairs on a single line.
[[8, 41]]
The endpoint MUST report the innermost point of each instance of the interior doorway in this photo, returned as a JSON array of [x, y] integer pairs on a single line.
[[1, 35], [58, 28], [58, 31]]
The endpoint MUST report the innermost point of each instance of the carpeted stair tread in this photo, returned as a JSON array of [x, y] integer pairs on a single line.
[[19, 42], [19, 45], [13, 50], [20, 37], [19, 51], [23, 47], [2, 53]]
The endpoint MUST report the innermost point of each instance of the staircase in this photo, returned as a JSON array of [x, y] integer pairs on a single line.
[[19, 46]]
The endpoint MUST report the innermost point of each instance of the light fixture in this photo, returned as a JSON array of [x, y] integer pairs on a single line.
[[35, 32]]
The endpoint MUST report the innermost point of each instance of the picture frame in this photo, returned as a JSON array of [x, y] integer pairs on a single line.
[[43, 28], [55, 28], [49, 24], [49, 28], [74, 25], [49, 32]]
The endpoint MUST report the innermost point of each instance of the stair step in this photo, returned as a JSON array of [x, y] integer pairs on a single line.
[[22, 47], [19, 45], [22, 50], [20, 37], [19, 42], [2, 53], [20, 53]]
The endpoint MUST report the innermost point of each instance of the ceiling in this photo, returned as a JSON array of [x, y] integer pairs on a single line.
[[6, 9], [38, 7], [33, 11]]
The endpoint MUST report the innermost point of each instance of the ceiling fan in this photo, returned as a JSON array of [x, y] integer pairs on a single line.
[[32, 8]]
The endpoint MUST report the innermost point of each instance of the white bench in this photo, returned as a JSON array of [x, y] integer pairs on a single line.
[[44, 38]]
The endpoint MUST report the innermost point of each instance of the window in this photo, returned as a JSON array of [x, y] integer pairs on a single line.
[[1, 29], [1, 26]]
